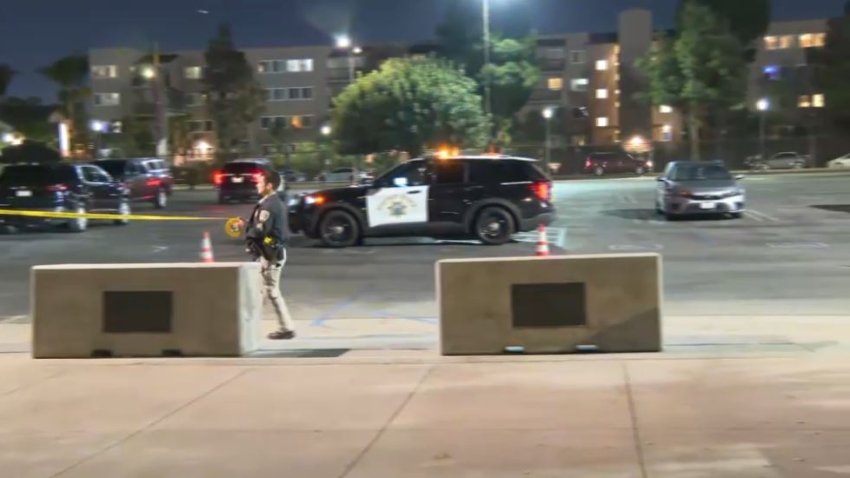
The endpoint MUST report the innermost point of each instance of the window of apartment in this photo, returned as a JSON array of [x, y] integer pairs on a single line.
[[578, 140], [665, 109], [812, 40], [196, 99], [818, 101], [104, 71], [272, 66], [786, 41], [804, 101], [107, 99], [553, 53], [779, 42], [301, 122], [289, 94], [579, 84], [578, 57], [667, 133], [555, 84], [299, 65], [772, 72], [193, 72], [601, 94], [602, 122], [601, 65]]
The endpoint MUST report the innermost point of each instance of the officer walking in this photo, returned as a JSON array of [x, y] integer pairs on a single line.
[[265, 234]]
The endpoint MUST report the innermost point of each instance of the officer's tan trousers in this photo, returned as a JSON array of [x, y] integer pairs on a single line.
[[271, 291]]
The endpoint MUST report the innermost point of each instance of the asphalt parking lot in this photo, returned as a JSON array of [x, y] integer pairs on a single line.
[[789, 255]]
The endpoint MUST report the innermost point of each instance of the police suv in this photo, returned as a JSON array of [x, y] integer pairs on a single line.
[[484, 197]]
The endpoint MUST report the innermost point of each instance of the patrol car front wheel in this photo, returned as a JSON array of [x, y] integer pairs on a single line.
[[494, 226], [339, 229]]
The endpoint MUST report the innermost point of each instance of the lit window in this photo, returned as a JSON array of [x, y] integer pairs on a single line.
[[786, 41], [579, 84], [602, 122], [300, 65], [578, 57], [818, 101], [812, 40], [601, 94], [193, 72], [555, 84], [667, 133], [296, 122], [104, 71], [107, 99], [602, 65], [771, 43], [804, 101], [771, 72], [665, 109]]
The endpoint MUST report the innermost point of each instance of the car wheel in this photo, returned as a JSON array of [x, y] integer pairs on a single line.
[[640, 171], [494, 226], [161, 199], [763, 167], [798, 165], [737, 215], [78, 224], [8, 230], [598, 171], [339, 229], [124, 210], [670, 216]]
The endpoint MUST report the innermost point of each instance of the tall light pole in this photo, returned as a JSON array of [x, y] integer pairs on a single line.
[[98, 127], [763, 105], [548, 113], [485, 12]]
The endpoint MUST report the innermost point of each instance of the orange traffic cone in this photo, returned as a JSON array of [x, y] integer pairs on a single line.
[[542, 242], [206, 249]]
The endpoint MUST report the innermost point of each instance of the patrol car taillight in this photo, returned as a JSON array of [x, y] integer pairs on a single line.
[[257, 177], [543, 190], [217, 178]]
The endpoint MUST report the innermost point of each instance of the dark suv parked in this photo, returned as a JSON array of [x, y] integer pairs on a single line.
[[64, 187], [147, 179], [485, 197], [238, 179], [615, 162]]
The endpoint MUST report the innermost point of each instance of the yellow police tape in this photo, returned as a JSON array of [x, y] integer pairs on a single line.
[[233, 226]]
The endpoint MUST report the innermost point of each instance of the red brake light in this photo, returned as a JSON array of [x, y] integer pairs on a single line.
[[257, 177], [217, 178], [543, 190], [153, 182], [588, 163], [57, 188]]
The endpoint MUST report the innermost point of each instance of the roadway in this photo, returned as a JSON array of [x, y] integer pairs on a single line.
[[785, 257]]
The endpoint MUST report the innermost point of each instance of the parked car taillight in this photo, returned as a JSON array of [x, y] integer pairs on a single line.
[[588, 163], [153, 182], [218, 176], [542, 190], [56, 188]]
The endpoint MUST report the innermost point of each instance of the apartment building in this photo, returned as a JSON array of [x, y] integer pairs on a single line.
[[590, 76]]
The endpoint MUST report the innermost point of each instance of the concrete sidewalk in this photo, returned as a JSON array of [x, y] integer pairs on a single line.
[[738, 397], [425, 416]]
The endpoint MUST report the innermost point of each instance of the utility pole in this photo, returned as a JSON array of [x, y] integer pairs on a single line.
[[160, 100], [485, 7]]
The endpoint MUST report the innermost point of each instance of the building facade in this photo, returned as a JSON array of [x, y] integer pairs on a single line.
[[590, 77]]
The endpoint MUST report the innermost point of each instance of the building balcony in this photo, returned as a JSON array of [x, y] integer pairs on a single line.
[[546, 96], [551, 64]]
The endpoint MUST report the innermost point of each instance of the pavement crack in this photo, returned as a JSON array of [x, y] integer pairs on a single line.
[[386, 425], [633, 415], [150, 425]]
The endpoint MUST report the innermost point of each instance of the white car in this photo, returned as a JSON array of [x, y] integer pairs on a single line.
[[345, 175], [842, 162]]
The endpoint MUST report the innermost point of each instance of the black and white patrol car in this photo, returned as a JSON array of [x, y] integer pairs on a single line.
[[485, 197]]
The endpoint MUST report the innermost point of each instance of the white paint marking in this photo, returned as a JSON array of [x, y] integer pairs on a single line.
[[158, 249], [753, 216], [636, 247], [766, 217], [798, 245]]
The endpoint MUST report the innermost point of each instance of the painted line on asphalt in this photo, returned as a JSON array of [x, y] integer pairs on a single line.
[[798, 245], [320, 320], [761, 217], [635, 247]]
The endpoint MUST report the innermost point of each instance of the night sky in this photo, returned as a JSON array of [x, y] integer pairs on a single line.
[[35, 32]]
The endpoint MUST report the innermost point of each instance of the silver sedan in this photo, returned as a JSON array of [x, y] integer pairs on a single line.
[[695, 188]]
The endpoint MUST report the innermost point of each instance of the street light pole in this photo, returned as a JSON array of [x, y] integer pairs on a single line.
[[485, 7], [763, 105], [548, 113]]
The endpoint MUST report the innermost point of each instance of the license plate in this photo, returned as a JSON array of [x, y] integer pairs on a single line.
[[23, 194], [707, 205], [237, 180]]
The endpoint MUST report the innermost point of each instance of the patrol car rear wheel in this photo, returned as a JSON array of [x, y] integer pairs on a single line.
[[339, 229], [78, 224], [494, 226]]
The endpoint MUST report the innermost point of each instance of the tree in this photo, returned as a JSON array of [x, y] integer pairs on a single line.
[[748, 19], [409, 104], [512, 73], [6, 75], [698, 70], [832, 69], [30, 117], [236, 99], [71, 74]]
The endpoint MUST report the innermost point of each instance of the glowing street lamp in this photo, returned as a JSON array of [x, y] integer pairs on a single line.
[[548, 113], [763, 105], [326, 130]]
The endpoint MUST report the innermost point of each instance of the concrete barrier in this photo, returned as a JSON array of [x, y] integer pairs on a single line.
[[557, 304], [143, 310]]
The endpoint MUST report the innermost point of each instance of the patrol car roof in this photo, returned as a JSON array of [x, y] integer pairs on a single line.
[[480, 156]]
